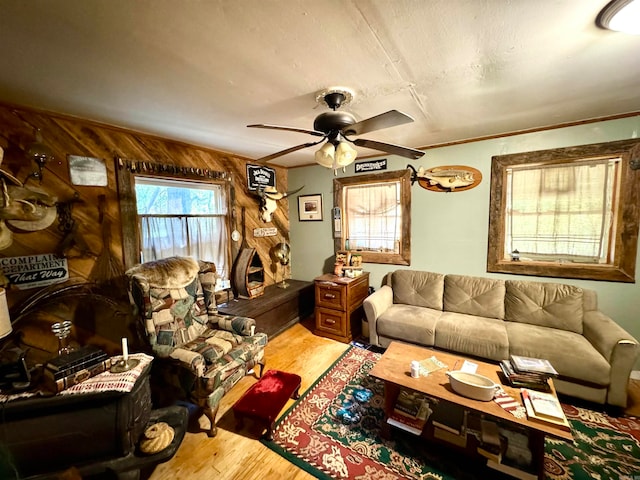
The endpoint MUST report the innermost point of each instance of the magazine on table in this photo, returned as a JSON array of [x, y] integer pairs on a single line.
[[527, 380], [532, 365]]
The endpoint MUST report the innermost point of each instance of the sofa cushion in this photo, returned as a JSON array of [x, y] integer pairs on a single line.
[[571, 354], [422, 289], [478, 336], [482, 297], [409, 323], [552, 305]]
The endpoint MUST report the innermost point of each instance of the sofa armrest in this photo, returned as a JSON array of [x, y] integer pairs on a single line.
[[374, 306], [618, 347]]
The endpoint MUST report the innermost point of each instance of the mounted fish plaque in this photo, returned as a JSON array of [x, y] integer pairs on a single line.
[[450, 178]]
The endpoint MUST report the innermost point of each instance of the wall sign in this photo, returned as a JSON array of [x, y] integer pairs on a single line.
[[371, 166], [87, 171], [259, 176], [265, 232], [35, 270]]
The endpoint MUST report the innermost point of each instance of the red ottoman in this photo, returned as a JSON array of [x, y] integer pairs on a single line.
[[265, 399]]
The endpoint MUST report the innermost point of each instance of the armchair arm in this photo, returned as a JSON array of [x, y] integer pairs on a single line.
[[239, 325], [374, 306], [618, 347]]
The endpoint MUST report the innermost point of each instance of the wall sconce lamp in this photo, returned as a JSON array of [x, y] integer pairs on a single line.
[[39, 153], [621, 16]]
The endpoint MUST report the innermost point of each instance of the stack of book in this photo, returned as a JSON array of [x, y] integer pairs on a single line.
[[528, 372], [67, 370], [544, 407], [411, 412]]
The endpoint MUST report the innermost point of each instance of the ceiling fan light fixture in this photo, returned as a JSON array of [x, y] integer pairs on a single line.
[[345, 154], [621, 16], [325, 155]]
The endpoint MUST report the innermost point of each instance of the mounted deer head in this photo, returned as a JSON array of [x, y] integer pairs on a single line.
[[268, 201]]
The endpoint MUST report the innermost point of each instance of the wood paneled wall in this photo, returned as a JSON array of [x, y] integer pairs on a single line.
[[71, 136]]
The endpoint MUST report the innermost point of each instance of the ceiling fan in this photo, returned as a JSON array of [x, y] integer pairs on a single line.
[[335, 127]]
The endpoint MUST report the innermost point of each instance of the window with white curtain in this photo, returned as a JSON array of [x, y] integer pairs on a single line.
[[562, 212], [569, 212], [373, 217], [376, 216], [185, 218]]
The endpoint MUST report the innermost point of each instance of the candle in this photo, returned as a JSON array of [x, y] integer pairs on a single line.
[[125, 350]]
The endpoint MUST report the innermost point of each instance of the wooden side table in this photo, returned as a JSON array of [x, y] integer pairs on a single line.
[[339, 311]]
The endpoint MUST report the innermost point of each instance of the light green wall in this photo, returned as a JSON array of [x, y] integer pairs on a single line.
[[449, 230]]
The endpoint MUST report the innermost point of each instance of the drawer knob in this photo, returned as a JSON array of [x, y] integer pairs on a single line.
[[330, 321], [329, 295]]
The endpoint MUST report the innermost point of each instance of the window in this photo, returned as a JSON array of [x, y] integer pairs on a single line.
[[566, 212], [376, 216], [187, 218]]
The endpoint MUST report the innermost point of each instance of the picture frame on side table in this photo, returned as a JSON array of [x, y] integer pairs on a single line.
[[310, 207]]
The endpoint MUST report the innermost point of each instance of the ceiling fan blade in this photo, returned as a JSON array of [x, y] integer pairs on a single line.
[[289, 129], [287, 151], [384, 120], [389, 148]]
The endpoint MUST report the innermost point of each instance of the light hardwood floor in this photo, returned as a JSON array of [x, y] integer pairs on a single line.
[[239, 455]]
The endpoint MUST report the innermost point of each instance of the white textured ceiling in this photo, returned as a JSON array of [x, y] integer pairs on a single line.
[[201, 70]]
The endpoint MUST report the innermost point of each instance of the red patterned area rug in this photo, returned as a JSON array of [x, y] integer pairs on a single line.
[[314, 436]]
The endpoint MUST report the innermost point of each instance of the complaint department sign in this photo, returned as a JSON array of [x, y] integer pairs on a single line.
[[35, 270]]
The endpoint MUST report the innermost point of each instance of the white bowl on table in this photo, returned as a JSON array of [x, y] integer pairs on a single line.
[[472, 385]]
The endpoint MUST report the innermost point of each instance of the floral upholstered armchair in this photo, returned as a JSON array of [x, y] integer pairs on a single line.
[[200, 353]]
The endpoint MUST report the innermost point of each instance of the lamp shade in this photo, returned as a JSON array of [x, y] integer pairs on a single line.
[[345, 154], [324, 156], [5, 320]]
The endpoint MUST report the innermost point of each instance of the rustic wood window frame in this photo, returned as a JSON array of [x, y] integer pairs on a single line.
[[626, 218], [404, 176], [125, 176]]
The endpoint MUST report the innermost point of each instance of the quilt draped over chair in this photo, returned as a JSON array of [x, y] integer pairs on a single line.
[[199, 352]]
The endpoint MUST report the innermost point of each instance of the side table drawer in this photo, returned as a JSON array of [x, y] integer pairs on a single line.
[[331, 296], [331, 321]]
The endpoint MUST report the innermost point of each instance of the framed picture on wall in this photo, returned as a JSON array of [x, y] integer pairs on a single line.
[[310, 207]]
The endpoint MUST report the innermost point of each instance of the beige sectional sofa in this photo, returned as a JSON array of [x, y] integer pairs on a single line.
[[490, 318]]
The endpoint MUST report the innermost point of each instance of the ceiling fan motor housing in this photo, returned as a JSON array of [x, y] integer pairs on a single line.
[[333, 121]]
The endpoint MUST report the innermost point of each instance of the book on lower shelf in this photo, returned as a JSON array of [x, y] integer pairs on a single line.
[[410, 402], [410, 412], [459, 439], [492, 445], [450, 417], [544, 407], [407, 423]]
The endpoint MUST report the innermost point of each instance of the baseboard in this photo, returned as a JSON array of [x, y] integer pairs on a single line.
[[635, 374]]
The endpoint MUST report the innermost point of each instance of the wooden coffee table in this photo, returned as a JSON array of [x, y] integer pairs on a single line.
[[394, 370]]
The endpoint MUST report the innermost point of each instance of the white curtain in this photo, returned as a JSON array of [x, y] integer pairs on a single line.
[[561, 212], [374, 216], [183, 218], [200, 237]]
